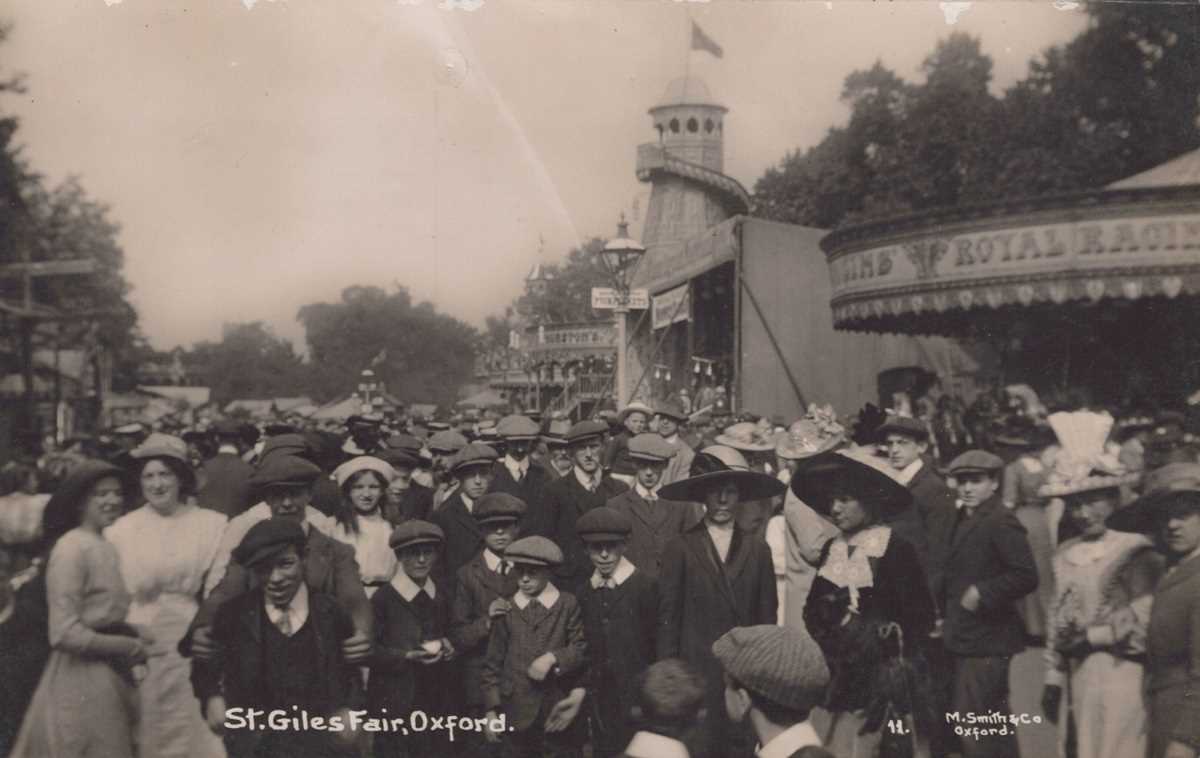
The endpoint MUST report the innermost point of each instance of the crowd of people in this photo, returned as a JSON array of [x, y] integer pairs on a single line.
[[654, 583]]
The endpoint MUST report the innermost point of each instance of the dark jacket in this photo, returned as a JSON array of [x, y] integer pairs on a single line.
[[522, 636], [239, 627], [616, 458], [989, 551], [476, 587], [935, 505], [329, 569], [395, 683], [537, 519], [567, 500], [226, 488], [416, 503], [654, 525], [1173, 657], [463, 537]]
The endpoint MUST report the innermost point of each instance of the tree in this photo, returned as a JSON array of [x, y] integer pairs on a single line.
[[568, 293], [249, 361]]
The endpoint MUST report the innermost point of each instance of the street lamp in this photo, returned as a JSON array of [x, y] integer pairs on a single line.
[[367, 385], [620, 258]]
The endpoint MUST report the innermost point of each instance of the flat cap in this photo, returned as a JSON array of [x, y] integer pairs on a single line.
[[266, 539], [585, 430], [906, 425], [365, 419], [534, 551], [780, 664], [409, 443], [397, 458], [474, 454], [285, 471], [517, 428], [134, 428], [446, 441], [975, 460], [498, 506], [650, 447], [603, 524], [671, 409], [415, 532], [285, 444], [437, 426]]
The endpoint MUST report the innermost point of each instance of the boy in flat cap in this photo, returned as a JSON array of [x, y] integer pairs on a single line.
[[482, 591], [406, 498], [670, 699], [537, 655], [472, 469], [655, 521], [585, 488], [280, 647], [620, 616], [410, 646], [989, 568], [774, 676], [518, 475], [444, 446]]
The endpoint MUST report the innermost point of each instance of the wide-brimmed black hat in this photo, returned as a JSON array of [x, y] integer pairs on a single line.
[[823, 476], [714, 466], [1162, 485]]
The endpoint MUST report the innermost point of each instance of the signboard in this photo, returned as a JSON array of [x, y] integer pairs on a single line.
[[605, 298], [672, 306]]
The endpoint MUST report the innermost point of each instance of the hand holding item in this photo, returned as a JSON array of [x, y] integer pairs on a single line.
[[541, 667], [1051, 701], [499, 607], [214, 714], [448, 651], [564, 711], [971, 598], [356, 648], [489, 735]]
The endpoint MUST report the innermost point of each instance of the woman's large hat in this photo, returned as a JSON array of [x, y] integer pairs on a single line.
[[1084, 464], [1162, 486], [853, 471], [818, 432], [159, 445], [749, 436], [714, 466]]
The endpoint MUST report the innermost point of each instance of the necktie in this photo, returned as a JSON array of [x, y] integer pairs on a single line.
[[520, 475], [284, 624], [503, 568]]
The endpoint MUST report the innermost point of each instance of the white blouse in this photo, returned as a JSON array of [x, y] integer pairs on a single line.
[[376, 561]]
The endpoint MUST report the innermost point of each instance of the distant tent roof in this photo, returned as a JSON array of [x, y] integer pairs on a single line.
[[193, 396], [1183, 169], [483, 399]]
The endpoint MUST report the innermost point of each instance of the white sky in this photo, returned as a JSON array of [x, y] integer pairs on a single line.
[[261, 159]]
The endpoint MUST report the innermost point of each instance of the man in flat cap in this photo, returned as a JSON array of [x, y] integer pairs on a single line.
[[407, 497], [585, 488], [443, 446], [472, 469], [226, 476], [557, 460], [671, 418], [989, 568], [774, 676], [279, 646], [517, 475], [329, 566]]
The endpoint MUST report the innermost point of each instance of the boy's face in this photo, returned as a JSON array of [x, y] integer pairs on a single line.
[[649, 473], [605, 556], [281, 575], [475, 481], [498, 535], [417, 561], [531, 580], [975, 487]]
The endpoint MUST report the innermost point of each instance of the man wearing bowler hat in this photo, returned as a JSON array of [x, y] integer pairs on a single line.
[[519, 476], [585, 488]]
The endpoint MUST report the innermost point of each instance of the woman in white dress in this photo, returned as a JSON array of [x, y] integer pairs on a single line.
[[166, 548], [363, 482]]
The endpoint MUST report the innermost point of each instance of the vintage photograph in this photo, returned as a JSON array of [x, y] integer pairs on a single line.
[[599, 379]]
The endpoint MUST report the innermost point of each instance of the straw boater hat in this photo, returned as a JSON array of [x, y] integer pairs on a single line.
[[750, 436], [1163, 485], [1084, 464], [852, 471], [818, 432], [635, 408], [714, 466]]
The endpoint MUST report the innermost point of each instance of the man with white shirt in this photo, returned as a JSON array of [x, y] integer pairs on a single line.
[[774, 676], [671, 416], [519, 476]]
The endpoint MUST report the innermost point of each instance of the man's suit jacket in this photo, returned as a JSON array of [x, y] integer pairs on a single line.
[[463, 537], [226, 488], [1173, 655], [679, 466], [238, 627], [530, 489], [476, 586], [654, 525], [934, 502], [329, 569], [701, 600], [991, 552], [567, 500], [415, 503]]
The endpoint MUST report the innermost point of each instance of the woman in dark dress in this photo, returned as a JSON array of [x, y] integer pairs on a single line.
[[869, 609]]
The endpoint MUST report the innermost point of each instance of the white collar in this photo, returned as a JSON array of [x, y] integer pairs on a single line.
[[789, 741], [492, 560], [673, 439], [651, 745], [297, 610], [408, 589], [547, 597], [623, 571], [906, 474], [644, 493], [585, 479], [228, 449], [513, 465]]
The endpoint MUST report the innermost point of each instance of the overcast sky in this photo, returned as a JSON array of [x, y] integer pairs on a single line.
[[258, 159]]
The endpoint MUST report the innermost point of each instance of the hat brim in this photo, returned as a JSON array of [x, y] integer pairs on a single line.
[[468, 465], [414, 542], [647, 412], [513, 437], [535, 562], [267, 552], [678, 418], [550, 439], [647, 458], [736, 444], [604, 537], [1089, 484], [792, 453], [892, 427], [144, 453], [585, 438], [1145, 513], [752, 485], [829, 474]]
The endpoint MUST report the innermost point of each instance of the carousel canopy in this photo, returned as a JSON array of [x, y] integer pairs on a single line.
[[945, 271]]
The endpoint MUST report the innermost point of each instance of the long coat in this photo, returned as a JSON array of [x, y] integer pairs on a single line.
[[1173, 658], [935, 505], [476, 586], [537, 519], [654, 525], [226, 488], [567, 500], [989, 551]]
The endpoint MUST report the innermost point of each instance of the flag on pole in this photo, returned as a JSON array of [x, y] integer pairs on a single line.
[[380, 358], [701, 41]]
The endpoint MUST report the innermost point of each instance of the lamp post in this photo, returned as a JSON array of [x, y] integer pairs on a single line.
[[620, 258], [367, 385]]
